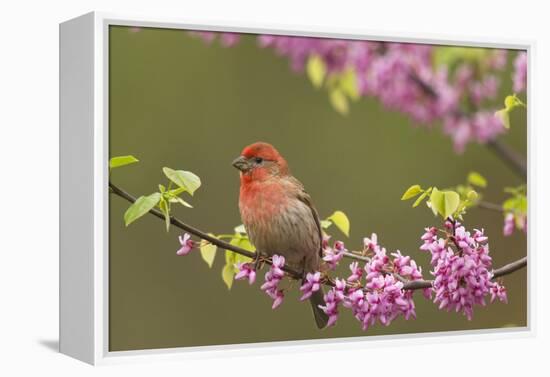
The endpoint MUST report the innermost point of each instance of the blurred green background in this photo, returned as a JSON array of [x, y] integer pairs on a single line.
[[176, 101]]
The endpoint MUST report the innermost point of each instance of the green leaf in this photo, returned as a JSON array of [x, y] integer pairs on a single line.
[[231, 259], [511, 102], [165, 209], [509, 204], [176, 192], [341, 221], [444, 202], [339, 101], [472, 195], [325, 224], [520, 190], [184, 179], [431, 206], [348, 84], [476, 179], [119, 161], [452, 56], [243, 243], [227, 275], [522, 204], [208, 252], [420, 199], [504, 117], [240, 229], [411, 192], [437, 201], [141, 206], [181, 201], [452, 201], [517, 204], [316, 70]]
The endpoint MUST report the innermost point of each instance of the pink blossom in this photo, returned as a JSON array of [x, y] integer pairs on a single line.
[[229, 39], [482, 127], [371, 243], [339, 288], [520, 72], [277, 297], [513, 221], [333, 255], [384, 301], [246, 271], [377, 264], [186, 243], [332, 299], [330, 308], [509, 224], [356, 272], [226, 39], [479, 236], [272, 279], [499, 291], [406, 267], [311, 284]]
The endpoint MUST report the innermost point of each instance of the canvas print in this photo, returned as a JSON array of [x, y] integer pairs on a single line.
[[274, 188]]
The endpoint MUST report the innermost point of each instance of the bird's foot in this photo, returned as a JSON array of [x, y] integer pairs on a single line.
[[258, 261]]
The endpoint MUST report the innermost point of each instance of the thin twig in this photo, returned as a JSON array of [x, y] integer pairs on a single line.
[[349, 255], [490, 206], [408, 285]]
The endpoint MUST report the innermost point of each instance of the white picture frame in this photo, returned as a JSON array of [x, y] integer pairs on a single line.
[[84, 228]]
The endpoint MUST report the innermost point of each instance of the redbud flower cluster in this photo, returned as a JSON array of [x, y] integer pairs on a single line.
[[462, 268], [383, 298], [404, 78], [333, 298], [272, 279], [374, 292]]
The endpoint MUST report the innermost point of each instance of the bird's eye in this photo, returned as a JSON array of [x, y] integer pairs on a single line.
[[258, 160]]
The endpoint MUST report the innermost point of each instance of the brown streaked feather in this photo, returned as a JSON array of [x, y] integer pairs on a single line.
[[305, 198]]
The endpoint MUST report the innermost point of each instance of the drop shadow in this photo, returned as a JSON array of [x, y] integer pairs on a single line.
[[51, 344]]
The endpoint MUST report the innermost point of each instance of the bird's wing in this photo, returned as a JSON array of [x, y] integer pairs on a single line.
[[304, 197]]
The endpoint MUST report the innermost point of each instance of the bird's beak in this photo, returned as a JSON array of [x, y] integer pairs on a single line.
[[241, 163]]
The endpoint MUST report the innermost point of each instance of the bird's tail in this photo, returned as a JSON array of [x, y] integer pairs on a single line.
[[317, 299]]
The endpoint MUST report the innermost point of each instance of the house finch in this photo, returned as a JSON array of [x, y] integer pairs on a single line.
[[278, 214]]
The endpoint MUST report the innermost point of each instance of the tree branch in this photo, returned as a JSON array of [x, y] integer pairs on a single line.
[[198, 233], [502, 271], [408, 285], [516, 162]]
